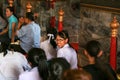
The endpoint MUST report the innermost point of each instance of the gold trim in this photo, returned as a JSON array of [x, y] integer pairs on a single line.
[[105, 8]]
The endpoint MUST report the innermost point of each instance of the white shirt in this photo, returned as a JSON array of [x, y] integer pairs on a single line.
[[11, 65], [30, 75], [69, 54], [49, 50]]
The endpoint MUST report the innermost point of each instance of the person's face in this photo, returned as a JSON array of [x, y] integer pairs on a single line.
[[61, 41], [21, 19], [8, 13], [26, 20]]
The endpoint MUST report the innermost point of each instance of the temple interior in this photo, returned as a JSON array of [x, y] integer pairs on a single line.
[[85, 20]]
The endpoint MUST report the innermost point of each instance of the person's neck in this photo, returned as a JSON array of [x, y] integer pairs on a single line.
[[91, 60]]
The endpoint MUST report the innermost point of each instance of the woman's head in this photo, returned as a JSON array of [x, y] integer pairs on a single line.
[[51, 33], [75, 74], [37, 58], [56, 67], [9, 11], [35, 55], [62, 38], [29, 17]]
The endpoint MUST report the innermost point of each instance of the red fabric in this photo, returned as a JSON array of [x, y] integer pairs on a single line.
[[60, 26], [52, 21], [75, 46], [113, 50]]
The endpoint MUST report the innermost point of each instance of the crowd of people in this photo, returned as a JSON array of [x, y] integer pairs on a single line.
[[51, 59]]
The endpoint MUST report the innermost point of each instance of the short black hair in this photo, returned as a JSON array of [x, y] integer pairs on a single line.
[[30, 16], [10, 8]]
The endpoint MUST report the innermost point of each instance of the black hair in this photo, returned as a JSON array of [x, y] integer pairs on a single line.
[[53, 31], [56, 68], [30, 16], [11, 9], [63, 34], [93, 48], [4, 47], [38, 59]]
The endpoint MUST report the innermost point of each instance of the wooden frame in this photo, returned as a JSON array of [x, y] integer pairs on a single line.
[[107, 5]]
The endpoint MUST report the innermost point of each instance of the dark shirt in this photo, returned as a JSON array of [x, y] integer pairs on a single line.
[[96, 73]]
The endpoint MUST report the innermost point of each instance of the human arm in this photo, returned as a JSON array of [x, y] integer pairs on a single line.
[[4, 31], [13, 32], [20, 23]]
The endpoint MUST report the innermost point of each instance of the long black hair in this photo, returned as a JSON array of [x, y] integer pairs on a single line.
[[53, 32], [37, 58], [56, 68]]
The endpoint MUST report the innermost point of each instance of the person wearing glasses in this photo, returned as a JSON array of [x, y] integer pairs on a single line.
[[65, 50]]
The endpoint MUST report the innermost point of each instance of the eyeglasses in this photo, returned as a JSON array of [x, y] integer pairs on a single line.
[[59, 40]]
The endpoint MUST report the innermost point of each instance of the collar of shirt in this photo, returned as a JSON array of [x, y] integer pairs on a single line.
[[10, 18]]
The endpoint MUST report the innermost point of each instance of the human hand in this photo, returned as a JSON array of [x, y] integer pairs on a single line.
[[21, 20]]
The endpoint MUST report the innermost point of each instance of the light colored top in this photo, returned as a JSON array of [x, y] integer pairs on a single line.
[[11, 19], [30, 75], [26, 36], [49, 50], [37, 34], [11, 65], [69, 54]]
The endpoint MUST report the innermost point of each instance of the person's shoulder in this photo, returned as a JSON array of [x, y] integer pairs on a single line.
[[24, 75]]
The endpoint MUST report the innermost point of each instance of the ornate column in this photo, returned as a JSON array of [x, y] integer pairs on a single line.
[[52, 11], [11, 3], [113, 46], [28, 7], [60, 24]]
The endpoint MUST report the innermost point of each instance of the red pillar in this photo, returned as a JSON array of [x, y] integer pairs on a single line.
[[113, 52], [113, 46]]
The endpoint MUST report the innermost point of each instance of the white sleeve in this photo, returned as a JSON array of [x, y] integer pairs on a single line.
[[63, 54]]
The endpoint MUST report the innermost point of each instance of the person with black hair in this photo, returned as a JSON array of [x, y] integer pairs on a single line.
[[57, 66], [98, 69], [12, 25], [29, 34], [37, 59], [49, 45], [12, 63], [65, 50]]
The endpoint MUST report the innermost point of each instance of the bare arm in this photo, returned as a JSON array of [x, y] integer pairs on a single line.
[[4, 31], [13, 32]]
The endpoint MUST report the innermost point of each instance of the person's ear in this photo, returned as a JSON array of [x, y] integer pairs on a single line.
[[100, 53], [85, 52], [66, 40]]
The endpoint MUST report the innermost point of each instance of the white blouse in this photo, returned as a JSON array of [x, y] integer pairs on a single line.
[[49, 50], [69, 54], [11, 65], [30, 75]]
